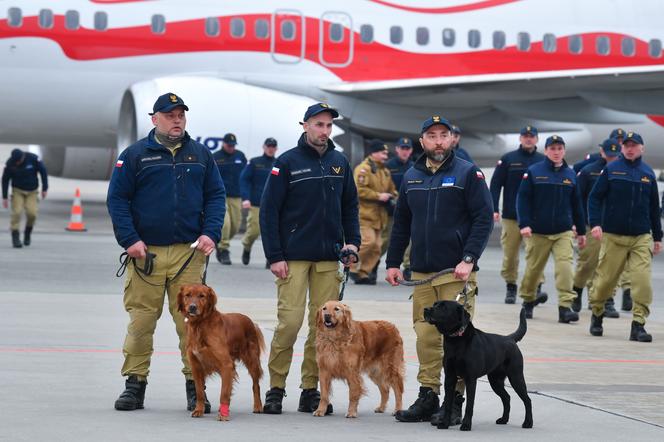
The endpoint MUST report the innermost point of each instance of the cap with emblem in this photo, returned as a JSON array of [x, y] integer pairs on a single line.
[[168, 102], [230, 138], [554, 139], [432, 121], [16, 155], [318, 108], [615, 133], [405, 143], [611, 147], [634, 137], [270, 142], [377, 146], [456, 129], [529, 130]]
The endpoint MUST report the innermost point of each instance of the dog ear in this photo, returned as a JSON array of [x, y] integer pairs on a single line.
[[211, 301], [319, 318], [180, 300], [347, 313]]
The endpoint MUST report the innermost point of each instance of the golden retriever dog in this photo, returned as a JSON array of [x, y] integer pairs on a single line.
[[215, 341], [346, 348]]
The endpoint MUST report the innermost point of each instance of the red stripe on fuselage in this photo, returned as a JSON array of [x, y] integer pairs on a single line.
[[448, 9], [657, 119]]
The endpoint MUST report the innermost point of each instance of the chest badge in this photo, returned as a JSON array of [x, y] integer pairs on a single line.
[[448, 181], [337, 170]]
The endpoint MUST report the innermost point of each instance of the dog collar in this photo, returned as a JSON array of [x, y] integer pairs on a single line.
[[459, 332]]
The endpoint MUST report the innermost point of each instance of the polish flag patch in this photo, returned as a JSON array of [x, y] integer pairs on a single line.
[[479, 174], [499, 162], [525, 176], [119, 163], [275, 171]]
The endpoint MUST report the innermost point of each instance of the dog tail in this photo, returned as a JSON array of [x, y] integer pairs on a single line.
[[521, 331], [261, 340]]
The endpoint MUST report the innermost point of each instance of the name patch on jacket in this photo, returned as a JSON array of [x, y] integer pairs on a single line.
[[567, 181], [152, 158], [645, 179], [415, 181], [300, 171], [336, 170], [448, 181]]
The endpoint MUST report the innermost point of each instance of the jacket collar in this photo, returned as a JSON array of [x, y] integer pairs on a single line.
[[632, 163], [421, 163], [525, 152], [303, 145], [154, 145], [550, 165]]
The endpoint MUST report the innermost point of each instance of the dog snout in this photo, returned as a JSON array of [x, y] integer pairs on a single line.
[[327, 317], [192, 309]]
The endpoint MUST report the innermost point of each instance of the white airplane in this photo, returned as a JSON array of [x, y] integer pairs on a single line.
[[78, 78]]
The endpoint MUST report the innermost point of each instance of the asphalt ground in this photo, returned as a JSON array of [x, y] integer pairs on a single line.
[[63, 325]]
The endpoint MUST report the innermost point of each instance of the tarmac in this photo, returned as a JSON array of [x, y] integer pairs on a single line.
[[63, 326]]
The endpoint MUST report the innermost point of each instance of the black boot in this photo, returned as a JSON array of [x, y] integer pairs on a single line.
[[566, 315], [374, 273], [365, 281], [273, 399], [133, 396], [224, 257], [309, 400], [542, 294], [457, 406], [576, 304], [596, 328], [16, 239], [627, 300], [610, 310], [541, 298], [510, 294], [190, 387], [26, 235], [639, 333], [246, 256], [422, 409]]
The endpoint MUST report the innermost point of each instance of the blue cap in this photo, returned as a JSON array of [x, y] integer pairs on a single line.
[[611, 147], [318, 108], [615, 133], [405, 142], [230, 138], [432, 121], [633, 136], [554, 139], [456, 129], [16, 155], [270, 141], [167, 103], [529, 130], [377, 146]]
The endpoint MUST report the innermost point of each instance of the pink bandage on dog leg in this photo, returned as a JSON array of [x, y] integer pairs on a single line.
[[223, 410]]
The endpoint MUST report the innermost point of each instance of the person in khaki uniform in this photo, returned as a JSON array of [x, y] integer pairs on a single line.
[[630, 232], [444, 209], [548, 208], [21, 170], [165, 196], [375, 188], [309, 220]]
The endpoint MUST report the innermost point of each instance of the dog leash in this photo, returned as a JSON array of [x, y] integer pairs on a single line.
[[425, 280], [345, 256]]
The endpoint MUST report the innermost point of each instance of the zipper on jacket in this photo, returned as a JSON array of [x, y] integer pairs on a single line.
[[323, 182]]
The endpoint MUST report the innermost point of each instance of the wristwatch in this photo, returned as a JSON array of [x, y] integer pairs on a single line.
[[468, 259]]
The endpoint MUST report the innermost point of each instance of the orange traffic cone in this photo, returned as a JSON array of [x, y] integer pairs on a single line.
[[76, 221]]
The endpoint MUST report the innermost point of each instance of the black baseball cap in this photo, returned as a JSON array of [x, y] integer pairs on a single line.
[[230, 138], [528, 130], [433, 120], [554, 139], [318, 108], [633, 136], [168, 102], [270, 142]]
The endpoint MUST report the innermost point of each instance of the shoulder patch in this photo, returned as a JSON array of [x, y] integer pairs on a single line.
[[525, 176], [499, 162], [275, 171], [479, 174]]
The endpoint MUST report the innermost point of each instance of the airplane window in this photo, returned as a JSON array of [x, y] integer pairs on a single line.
[[366, 33], [448, 37], [288, 30], [72, 20], [336, 33], [101, 20], [474, 38], [627, 46], [549, 43], [46, 19], [575, 44], [603, 45], [422, 36], [237, 27], [499, 40], [212, 27], [158, 24], [14, 17], [523, 41], [261, 29], [655, 48], [396, 34]]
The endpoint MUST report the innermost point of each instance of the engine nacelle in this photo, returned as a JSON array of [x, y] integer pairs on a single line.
[[86, 163]]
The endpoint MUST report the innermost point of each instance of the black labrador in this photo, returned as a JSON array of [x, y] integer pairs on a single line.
[[470, 354]]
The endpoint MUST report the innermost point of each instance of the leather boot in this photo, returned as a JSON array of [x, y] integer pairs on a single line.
[[566, 315], [133, 396], [596, 328], [16, 239], [540, 293], [273, 399], [457, 412], [26, 235], [528, 306], [576, 304], [246, 256], [609, 309], [626, 300], [510, 294], [190, 387], [309, 400], [422, 409], [639, 333], [224, 257]]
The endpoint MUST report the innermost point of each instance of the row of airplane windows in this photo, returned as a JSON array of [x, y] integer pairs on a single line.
[[288, 31]]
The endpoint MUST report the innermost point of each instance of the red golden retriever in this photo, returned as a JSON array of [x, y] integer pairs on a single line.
[[215, 341], [346, 348]]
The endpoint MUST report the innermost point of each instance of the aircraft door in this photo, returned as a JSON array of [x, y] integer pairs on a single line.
[[287, 36], [335, 37]]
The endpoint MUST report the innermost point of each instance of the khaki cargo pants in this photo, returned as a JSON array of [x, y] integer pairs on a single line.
[[586, 265], [510, 241], [144, 301], [369, 250], [321, 280], [232, 221], [23, 200], [429, 343], [253, 228], [385, 242]]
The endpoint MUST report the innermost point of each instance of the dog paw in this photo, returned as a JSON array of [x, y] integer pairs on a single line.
[[466, 426], [527, 424], [319, 413], [197, 413], [222, 418], [351, 415], [443, 426], [502, 420], [380, 410]]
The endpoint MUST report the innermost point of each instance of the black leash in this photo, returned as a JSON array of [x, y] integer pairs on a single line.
[[346, 257], [149, 267], [425, 280]]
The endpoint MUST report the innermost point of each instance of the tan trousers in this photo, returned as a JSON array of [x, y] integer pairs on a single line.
[[321, 280], [429, 343], [23, 200], [586, 265], [510, 241], [232, 221], [538, 248], [385, 236], [369, 250], [617, 251], [144, 301], [253, 228]]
